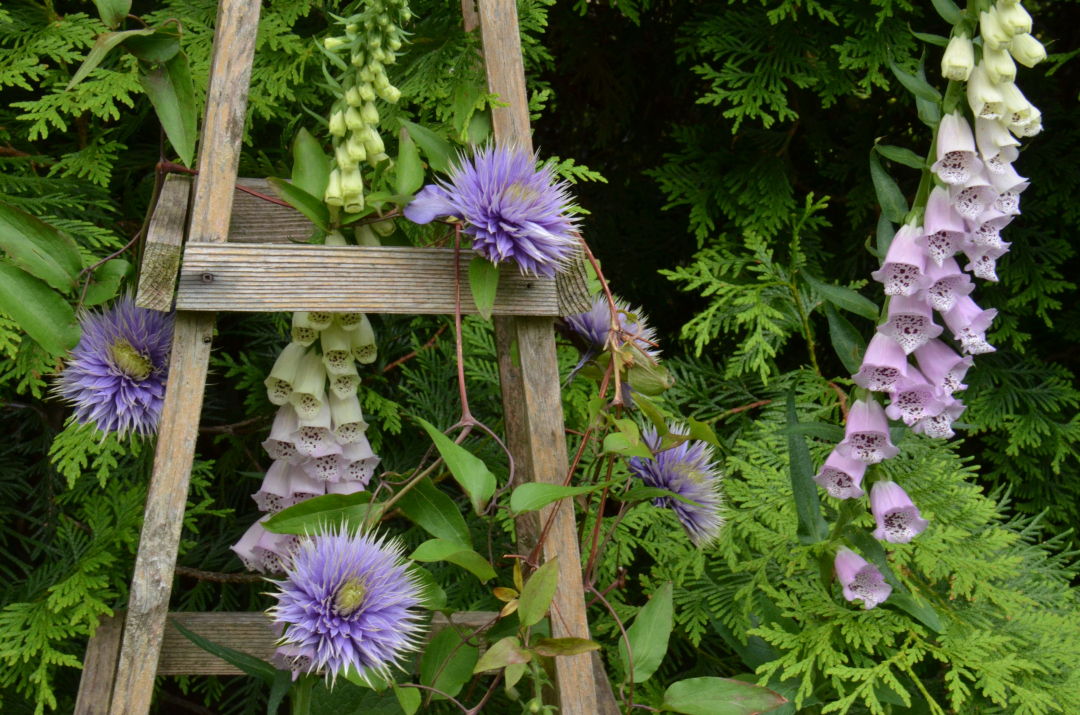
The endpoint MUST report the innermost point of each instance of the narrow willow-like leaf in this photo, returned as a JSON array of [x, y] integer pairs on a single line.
[[719, 696], [845, 298], [172, 93], [901, 156], [812, 527], [648, 635], [846, 339], [893, 203]]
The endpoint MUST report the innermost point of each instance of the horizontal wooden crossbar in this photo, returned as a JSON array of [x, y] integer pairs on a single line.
[[388, 279]]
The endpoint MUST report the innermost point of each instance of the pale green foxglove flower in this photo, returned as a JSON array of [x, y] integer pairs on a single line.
[[347, 419], [365, 236], [995, 37], [332, 43], [983, 96], [337, 124], [309, 387], [357, 59], [391, 94], [1027, 50], [1017, 107], [355, 148], [363, 343], [366, 73], [1013, 18], [384, 228], [320, 319], [353, 120], [374, 144], [352, 184], [1030, 126], [344, 160], [959, 58], [345, 384], [381, 81], [351, 321], [353, 98], [303, 331], [999, 66], [336, 349], [374, 160], [367, 92], [335, 238], [279, 383], [370, 114], [333, 196]]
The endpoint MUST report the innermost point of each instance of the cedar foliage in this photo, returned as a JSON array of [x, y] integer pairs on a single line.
[[749, 123]]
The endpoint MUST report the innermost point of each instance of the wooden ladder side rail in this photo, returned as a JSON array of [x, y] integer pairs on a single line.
[[531, 391], [219, 156]]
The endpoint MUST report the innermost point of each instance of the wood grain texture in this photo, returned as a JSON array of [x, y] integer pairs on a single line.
[[387, 279], [256, 220], [219, 155], [99, 667], [505, 70], [572, 287], [164, 243]]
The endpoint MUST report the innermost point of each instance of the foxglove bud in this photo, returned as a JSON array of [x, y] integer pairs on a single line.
[[363, 343], [280, 444], [1013, 18], [942, 367], [279, 383], [897, 517], [357, 59], [335, 238], [347, 419], [997, 147], [366, 74], [345, 384], [390, 93], [309, 388], [905, 263], [333, 196], [983, 96], [336, 350], [367, 92], [884, 364], [365, 236], [303, 332], [959, 58], [381, 81], [995, 37], [314, 438], [344, 161], [394, 44], [913, 399], [332, 43], [999, 66], [940, 426], [337, 124], [860, 580], [968, 323], [353, 120], [866, 434], [355, 149], [374, 145], [353, 98], [947, 283], [384, 228], [1017, 108], [841, 477], [956, 158], [910, 323], [1026, 50], [370, 114], [973, 198], [945, 230]]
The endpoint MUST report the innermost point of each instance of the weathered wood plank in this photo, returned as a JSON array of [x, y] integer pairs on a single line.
[[256, 220], [388, 279], [531, 391], [99, 667], [164, 243], [219, 155]]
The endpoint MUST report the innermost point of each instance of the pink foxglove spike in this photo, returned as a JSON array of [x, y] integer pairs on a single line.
[[884, 363], [945, 230], [947, 284], [940, 426], [913, 399], [969, 323]]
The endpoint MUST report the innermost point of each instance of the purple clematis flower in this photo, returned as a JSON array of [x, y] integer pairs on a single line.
[[594, 325], [348, 603], [512, 211], [897, 517], [689, 471], [860, 579], [117, 373]]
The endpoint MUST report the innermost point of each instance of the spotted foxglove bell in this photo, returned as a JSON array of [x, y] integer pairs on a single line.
[[860, 580], [841, 476], [866, 434], [910, 323], [898, 519], [905, 263], [883, 365], [957, 160]]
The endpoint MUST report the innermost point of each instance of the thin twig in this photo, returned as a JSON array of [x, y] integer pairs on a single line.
[[842, 396], [217, 576], [737, 410], [235, 426]]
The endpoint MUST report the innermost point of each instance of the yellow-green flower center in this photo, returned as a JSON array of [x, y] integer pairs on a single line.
[[350, 597], [518, 191], [130, 361]]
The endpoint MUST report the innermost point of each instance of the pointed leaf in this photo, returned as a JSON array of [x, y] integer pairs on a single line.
[[101, 48], [39, 310], [532, 496], [648, 635], [439, 550], [319, 513], [483, 280], [554, 647], [451, 659], [619, 443], [408, 698], [160, 46], [410, 172], [812, 526], [438, 151], [470, 472], [846, 339], [505, 652], [172, 93], [649, 410], [929, 111], [901, 156], [513, 674], [39, 249], [919, 87], [247, 663], [932, 39], [105, 281], [948, 11], [538, 592], [435, 512], [466, 94], [278, 689], [893, 203], [719, 696], [845, 298], [702, 431], [310, 171], [302, 201], [113, 12]]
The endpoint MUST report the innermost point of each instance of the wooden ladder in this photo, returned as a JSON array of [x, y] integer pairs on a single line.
[[259, 271]]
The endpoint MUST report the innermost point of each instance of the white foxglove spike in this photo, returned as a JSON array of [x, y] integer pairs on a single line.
[[1026, 50], [1029, 127], [303, 332], [945, 231], [309, 388], [323, 469], [988, 234], [983, 264], [279, 383], [1013, 18], [348, 321], [352, 96], [374, 145], [363, 343], [347, 419], [997, 147], [992, 217], [367, 91], [984, 97], [910, 323], [337, 124], [999, 65], [959, 58], [336, 349], [956, 161], [357, 462], [370, 114], [995, 36], [344, 161], [320, 319], [345, 486]]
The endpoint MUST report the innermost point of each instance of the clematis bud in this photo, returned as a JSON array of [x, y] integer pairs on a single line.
[[997, 147], [280, 444], [866, 434], [905, 263], [910, 323], [942, 367], [995, 36], [945, 230], [309, 389], [946, 283], [347, 419], [363, 343], [284, 485], [969, 323], [860, 580], [370, 114], [913, 399], [1013, 18], [303, 332], [973, 198], [333, 196], [337, 124], [940, 426], [897, 517], [959, 58], [336, 350], [956, 157], [883, 365], [841, 477], [345, 384], [999, 66], [984, 97], [1026, 50], [279, 382], [314, 437], [1017, 107]]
